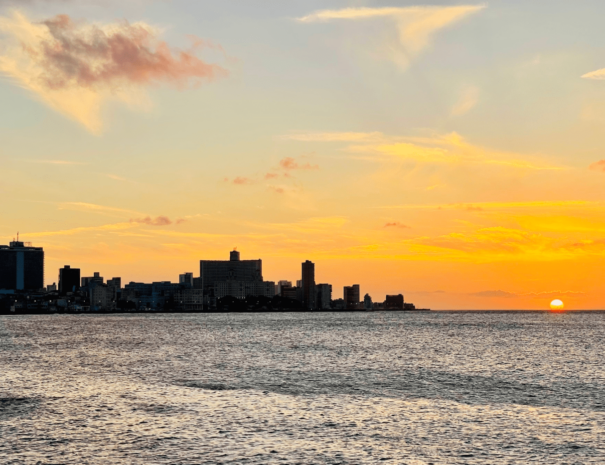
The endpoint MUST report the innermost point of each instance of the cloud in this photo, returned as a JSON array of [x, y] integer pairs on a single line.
[[91, 207], [396, 224], [415, 25], [599, 74], [598, 166], [290, 163], [158, 221], [278, 189], [467, 101], [505, 294], [440, 149], [334, 136], [241, 181], [480, 206], [75, 67]]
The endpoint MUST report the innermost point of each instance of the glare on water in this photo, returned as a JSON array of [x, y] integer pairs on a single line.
[[303, 388]]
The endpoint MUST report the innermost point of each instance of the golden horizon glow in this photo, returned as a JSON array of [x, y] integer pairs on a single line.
[[557, 305], [383, 142]]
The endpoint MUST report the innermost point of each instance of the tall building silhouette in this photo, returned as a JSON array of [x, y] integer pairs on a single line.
[[69, 279], [234, 277], [21, 267], [351, 296], [308, 285]]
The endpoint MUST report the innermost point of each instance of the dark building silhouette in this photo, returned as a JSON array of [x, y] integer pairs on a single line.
[[351, 296], [90, 282], [214, 271], [394, 302], [69, 280], [324, 296], [21, 267], [308, 285], [234, 278]]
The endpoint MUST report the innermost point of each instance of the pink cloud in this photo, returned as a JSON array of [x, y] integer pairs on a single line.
[[89, 56], [76, 66], [277, 189], [598, 166], [396, 224], [158, 221], [241, 181], [290, 163]]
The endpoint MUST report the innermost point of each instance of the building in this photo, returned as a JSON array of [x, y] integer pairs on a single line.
[[214, 271], [367, 303], [280, 285], [91, 281], [289, 292], [69, 280], [324, 296], [186, 279], [308, 285], [394, 302], [351, 296], [189, 300], [243, 289], [21, 267], [235, 278]]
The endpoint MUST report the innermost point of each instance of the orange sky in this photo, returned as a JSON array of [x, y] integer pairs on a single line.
[[450, 153]]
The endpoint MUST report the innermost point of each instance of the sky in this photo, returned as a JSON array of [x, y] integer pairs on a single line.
[[449, 151]]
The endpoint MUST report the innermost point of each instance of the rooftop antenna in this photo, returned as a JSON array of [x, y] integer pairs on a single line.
[[17, 236]]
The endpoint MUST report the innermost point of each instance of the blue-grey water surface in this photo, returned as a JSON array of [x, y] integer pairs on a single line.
[[350, 388]]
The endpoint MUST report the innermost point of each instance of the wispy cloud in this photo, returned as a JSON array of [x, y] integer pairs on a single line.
[[91, 207], [441, 149], [334, 136], [483, 206], [416, 25], [74, 66], [599, 74], [508, 295], [468, 100], [291, 164], [396, 224], [598, 166], [149, 221]]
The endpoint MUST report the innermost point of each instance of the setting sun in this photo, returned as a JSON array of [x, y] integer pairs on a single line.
[[557, 305]]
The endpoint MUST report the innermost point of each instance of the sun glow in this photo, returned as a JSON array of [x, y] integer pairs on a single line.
[[557, 305]]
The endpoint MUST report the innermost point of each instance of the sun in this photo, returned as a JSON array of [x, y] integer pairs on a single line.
[[557, 305]]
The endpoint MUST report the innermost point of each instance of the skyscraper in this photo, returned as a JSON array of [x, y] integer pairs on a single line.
[[21, 267], [351, 296], [69, 279], [308, 285]]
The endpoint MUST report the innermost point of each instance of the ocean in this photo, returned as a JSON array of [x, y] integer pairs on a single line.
[[303, 388]]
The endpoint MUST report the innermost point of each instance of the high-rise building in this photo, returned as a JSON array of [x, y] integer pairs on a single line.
[[235, 278], [213, 271], [282, 284], [308, 285], [186, 278], [324, 296], [21, 267], [92, 281], [69, 279], [351, 296]]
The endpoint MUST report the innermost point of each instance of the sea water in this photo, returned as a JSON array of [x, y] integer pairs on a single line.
[[348, 388]]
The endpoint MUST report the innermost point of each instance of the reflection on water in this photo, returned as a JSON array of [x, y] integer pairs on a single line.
[[353, 388]]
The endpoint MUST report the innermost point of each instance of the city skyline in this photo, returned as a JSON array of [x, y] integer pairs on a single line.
[[452, 150]]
